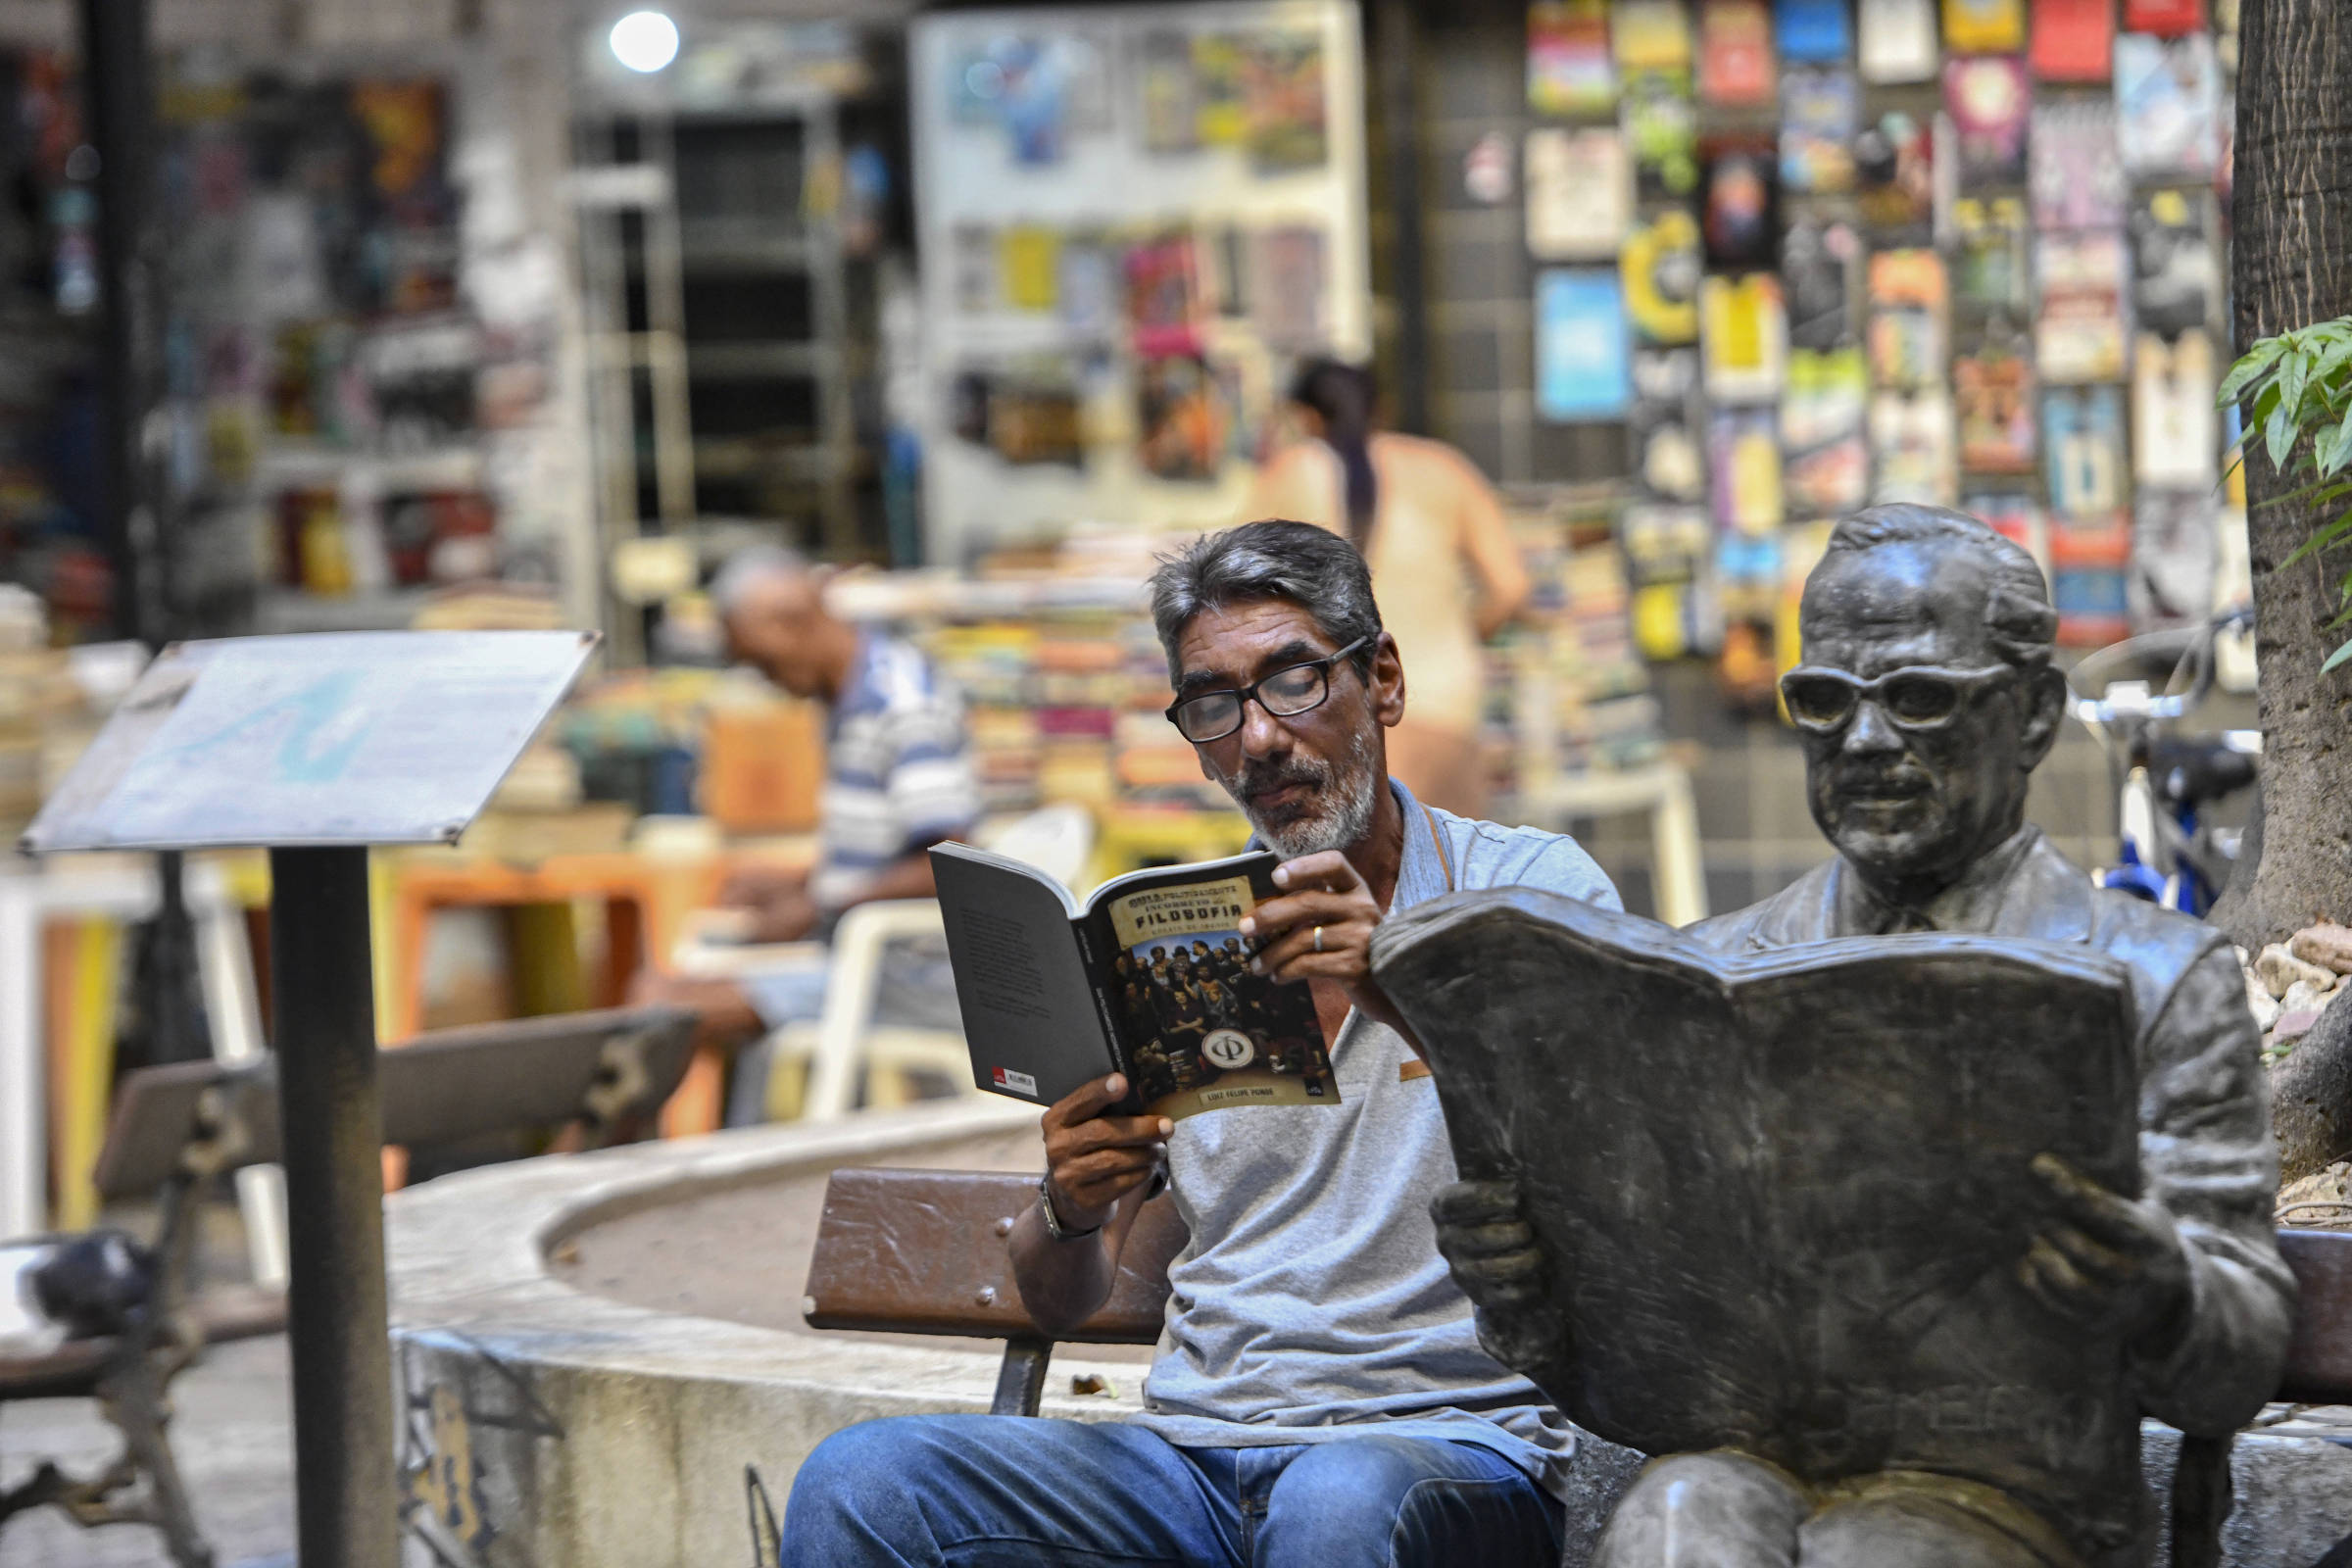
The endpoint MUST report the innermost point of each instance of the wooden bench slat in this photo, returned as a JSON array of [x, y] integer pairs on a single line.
[[2319, 1359], [73, 1369], [922, 1252]]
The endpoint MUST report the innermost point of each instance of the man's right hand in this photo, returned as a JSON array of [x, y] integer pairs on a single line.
[[1495, 1257], [1093, 1160]]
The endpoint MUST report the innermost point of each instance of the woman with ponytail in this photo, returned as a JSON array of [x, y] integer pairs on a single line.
[[1444, 566]]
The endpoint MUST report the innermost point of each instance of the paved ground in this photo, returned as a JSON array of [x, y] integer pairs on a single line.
[[235, 1441]]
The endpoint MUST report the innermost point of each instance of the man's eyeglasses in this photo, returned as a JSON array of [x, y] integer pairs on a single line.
[[1915, 696], [1287, 693]]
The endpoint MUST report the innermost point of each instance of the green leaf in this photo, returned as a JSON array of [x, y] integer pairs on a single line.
[[2331, 461], [2339, 656], [2278, 432], [2332, 361], [2249, 368], [2295, 374]]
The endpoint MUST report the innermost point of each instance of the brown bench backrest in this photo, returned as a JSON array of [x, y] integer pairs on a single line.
[[440, 1087], [922, 1252]]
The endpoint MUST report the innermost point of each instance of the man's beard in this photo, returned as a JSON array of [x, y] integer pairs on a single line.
[[1336, 813]]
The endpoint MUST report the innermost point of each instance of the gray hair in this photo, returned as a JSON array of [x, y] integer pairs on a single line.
[[1313, 567], [2018, 620], [746, 570]]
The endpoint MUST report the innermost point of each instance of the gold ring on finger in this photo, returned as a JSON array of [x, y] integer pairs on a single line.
[[1319, 939]]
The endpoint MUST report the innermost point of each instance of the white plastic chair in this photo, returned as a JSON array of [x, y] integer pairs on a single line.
[[1057, 840]]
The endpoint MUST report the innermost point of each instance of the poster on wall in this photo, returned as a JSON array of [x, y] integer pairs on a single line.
[[1568, 66], [2172, 558], [1165, 88], [1282, 97], [1821, 270], [1650, 36], [1910, 318], [1743, 337], [1288, 302], [1661, 262], [1992, 396], [2073, 40], [1580, 192], [1988, 99], [2075, 165], [1582, 370], [2089, 580], [1818, 107], [2176, 429], [1912, 447], [1663, 426], [1735, 54], [1661, 132], [2082, 451], [1894, 171], [2166, 19], [1897, 41], [1826, 466], [1743, 458], [1812, 30], [1739, 200], [2167, 95], [2079, 336], [1984, 27], [1184, 417], [1989, 276], [1165, 310], [2176, 265]]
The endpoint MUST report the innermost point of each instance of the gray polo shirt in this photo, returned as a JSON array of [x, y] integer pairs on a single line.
[[1310, 1302]]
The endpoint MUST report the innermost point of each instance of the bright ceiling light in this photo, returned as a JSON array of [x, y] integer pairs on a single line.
[[645, 40]]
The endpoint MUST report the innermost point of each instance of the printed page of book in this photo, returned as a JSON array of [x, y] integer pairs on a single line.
[[1202, 1032]]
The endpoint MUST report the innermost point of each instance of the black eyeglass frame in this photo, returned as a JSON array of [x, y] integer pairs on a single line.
[[1245, 694], [1965, 683]]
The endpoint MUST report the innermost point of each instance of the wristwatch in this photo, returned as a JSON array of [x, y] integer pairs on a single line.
[[1053, 1226]]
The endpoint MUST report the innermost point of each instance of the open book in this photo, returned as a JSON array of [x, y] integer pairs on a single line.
[[1149, 977], [1783, 1194]]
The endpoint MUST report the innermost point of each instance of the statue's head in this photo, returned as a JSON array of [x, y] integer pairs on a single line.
[[1927, 694]]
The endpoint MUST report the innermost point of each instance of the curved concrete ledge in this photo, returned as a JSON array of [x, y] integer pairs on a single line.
[[602, 1433], [547, 1424]]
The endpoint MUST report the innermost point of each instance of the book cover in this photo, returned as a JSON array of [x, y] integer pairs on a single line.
[[2166, 19], [1743, 337], [1910, 318], [1821, 270], [2175, 264], [1992, 394], [1812, 30], [1662, 425], [1739, 200], [1650, 36], [2082, 451], [1895, 171], [1744, 453], [1149, 977], [2172, 558], [1984, 26], [2176, 429], [1661, 132], [1989, 276], [1825, 461], [1704, 1149], [1912, 443]]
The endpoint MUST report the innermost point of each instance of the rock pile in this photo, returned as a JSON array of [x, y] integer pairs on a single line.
[[2287, 986], [2288, 982]]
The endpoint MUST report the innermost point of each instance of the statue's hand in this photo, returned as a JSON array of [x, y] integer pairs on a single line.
[[2103, 1260], [1500, 1265]]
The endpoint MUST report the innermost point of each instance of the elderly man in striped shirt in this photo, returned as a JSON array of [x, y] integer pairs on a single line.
[[898, 780]]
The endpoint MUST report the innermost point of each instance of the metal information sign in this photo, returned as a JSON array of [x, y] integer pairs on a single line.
[[332, 738], [319, 747]]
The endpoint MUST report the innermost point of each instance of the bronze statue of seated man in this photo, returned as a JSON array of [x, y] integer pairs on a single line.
[[1925, 698]]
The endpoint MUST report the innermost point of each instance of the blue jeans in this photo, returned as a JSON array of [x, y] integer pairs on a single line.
[[1017, 1492]]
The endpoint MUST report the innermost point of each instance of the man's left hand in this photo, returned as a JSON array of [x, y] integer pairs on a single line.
[[1322, 893], [2100, 1260]]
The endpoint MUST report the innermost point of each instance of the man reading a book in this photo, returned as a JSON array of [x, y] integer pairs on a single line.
[[1926, 697], [1319, 1398]]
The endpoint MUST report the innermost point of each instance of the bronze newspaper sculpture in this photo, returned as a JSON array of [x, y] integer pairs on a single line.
[[1879, 1211]]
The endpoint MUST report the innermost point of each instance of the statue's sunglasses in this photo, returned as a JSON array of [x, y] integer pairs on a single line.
[[1913, 698], [1287, 693]]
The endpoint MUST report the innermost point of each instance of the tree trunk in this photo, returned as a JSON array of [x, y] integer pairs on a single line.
[[2292, 267], [2311, 1096]]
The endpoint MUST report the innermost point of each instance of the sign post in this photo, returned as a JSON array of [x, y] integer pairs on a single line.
[[317, 748]]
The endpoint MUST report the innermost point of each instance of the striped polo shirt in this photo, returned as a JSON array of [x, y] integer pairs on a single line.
[[898, 773]]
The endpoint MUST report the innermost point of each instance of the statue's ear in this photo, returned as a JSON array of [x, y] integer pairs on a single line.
[[2044, 692]]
